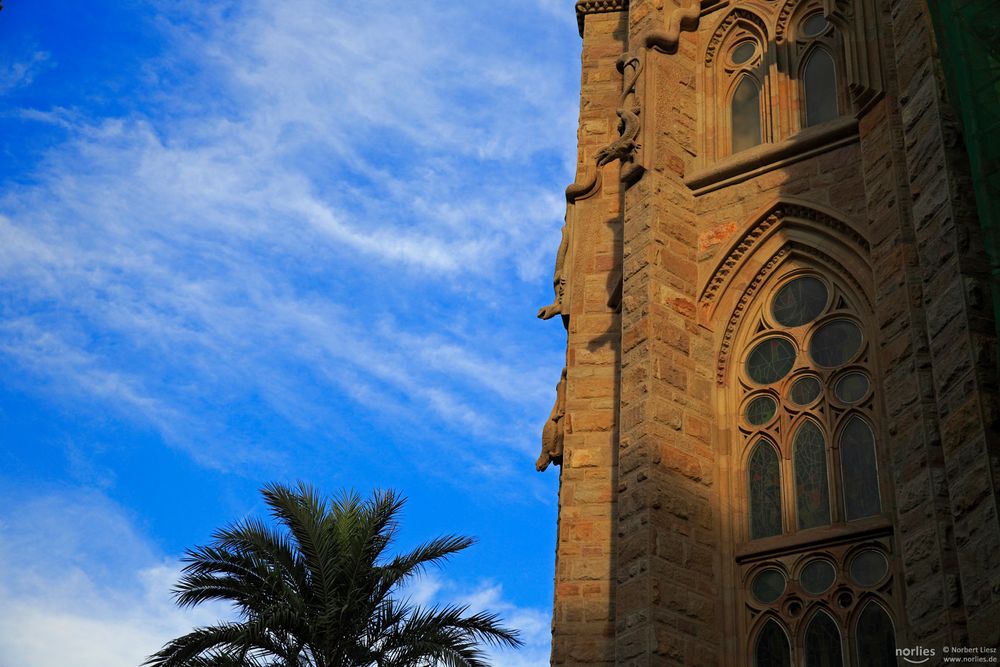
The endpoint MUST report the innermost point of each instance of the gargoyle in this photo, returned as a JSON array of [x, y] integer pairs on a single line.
[[622, 147], [554, 430], [558, 276], [628, 116]]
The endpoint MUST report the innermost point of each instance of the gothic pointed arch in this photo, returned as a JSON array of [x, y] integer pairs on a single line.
[[822, 642], [818, 74], [771, 647], [739, 23], [784, 232], [875, 635], [790, 304], [737, 91], [764, 484]]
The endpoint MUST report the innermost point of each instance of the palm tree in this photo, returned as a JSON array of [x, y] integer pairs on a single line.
[[318, 591]]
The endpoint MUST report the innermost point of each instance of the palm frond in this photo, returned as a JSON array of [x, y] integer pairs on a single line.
[[316, 589]]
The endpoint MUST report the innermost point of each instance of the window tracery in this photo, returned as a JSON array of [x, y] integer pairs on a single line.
[[822, 642], [809, 445], [771, 649], [876, 638], [764, 83], [737, 64]]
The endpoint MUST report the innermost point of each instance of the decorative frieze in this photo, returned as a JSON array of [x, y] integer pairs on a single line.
[[584, 7]]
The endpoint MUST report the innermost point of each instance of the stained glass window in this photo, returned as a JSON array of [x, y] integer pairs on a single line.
[[835, 343], [770, 360], [876, 639], [743, 52], [823, 647], [772, 647], [820, 83], [852, 387], [813, 25], [800, 301], [768, 585], [761, 410], [805, 390], [868, 568], [860, 471], [812, 496], [817, 577], [746, 115], [765, 491]]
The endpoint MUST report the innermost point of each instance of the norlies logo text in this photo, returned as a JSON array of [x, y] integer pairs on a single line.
[[917, 655]]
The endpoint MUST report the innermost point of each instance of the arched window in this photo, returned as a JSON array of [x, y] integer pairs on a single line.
[[764, 482], [807, 426], [860, 470], [812, 493], [819, 85], [822, 642], [772, 648], [876, 639], [746, 114]]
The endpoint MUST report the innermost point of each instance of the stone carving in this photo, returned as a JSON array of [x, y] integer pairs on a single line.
[[682, 18], [736, 16], [628, 128], [747, 296], [759, 230], [554, 431], [584, 7], [559, 276]]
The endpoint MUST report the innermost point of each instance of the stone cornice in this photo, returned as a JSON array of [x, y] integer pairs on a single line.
[[584, 7]]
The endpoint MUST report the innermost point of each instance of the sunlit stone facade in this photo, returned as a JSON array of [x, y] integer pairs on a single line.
[[777, 428]]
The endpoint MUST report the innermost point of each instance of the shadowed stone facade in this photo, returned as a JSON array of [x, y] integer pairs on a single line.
[[677, 244]]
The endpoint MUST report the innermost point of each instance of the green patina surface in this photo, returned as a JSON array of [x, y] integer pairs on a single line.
[[968, 33]]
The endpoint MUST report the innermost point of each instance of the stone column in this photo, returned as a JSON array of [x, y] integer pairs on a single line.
[[583, 620], [668, 610]]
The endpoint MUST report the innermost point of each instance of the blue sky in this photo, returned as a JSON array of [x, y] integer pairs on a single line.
[[259, 241]]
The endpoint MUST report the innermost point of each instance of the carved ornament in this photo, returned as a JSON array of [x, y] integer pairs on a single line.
[[682, 18], [584, 7], [554, 431], [759, 231], [765, 271], [623, 147], [727, 24]]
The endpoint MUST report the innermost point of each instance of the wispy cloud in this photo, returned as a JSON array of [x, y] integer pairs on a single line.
[[321, 203], [14, 75], [81, 585], [533, 625]]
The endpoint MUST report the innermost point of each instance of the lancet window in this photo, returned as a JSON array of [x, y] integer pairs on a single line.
[[808, 410], [815, 43], [764, 83], [808, 439]]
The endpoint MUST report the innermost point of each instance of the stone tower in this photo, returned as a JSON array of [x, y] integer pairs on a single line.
[[777, 423]]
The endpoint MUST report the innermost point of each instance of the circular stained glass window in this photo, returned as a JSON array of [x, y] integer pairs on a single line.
[[743, 52], [814, 25], [770, 360], [868, 568], [761, 410], [805, 390], [852, 387], [768, 586], [799, 302], [835, 343], [817, 577]]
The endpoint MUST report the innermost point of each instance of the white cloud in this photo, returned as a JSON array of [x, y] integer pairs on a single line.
[[533, 625], [323, 199], [80, 586], [16, 75]]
